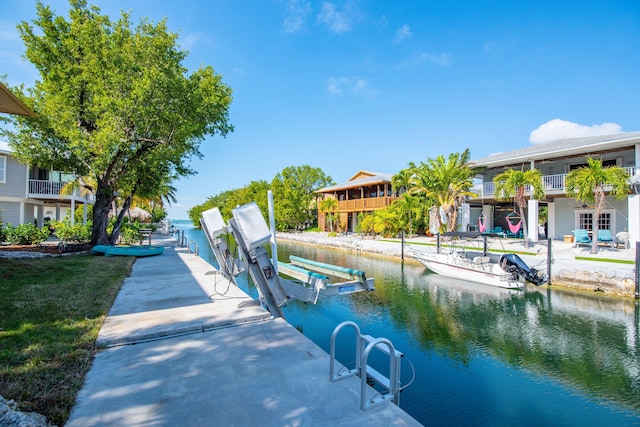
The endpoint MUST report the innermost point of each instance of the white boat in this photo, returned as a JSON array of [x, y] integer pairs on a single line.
[[478, 265]]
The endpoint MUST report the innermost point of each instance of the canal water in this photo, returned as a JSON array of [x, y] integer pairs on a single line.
[[477, 355]]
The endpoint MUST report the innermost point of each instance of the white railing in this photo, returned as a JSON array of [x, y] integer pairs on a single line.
[[552, 184], [51, 189]]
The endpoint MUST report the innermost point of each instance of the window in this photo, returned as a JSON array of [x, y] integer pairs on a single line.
[[584, 220], [3, 169]]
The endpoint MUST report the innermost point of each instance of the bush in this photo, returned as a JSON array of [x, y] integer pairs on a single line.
[[76, 233], [26, 234]]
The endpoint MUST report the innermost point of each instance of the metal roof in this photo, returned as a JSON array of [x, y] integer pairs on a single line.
[[561, 148], [374, 178]]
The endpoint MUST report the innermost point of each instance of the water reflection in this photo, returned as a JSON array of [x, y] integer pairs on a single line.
[[484, 355], [586, 342]]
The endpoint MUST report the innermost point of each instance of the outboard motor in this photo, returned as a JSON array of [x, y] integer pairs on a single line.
[[512, 263]]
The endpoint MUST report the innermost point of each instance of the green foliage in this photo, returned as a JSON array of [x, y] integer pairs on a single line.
[[514, 183], [26, 234], [77, 233], [295, 190], [441, 182], [130, 232], [158, 214], [293, 193], [228, 200], [384, 222], [115, 104]]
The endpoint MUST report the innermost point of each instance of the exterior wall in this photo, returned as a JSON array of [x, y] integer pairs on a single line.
[[16, 182], [10, 213], [566, 213]]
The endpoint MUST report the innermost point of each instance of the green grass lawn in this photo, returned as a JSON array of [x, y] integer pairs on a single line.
[[51, 310]]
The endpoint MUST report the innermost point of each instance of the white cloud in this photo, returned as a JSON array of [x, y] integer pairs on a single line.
[[296, 15], [189, 40], [441, 59], [338, 21], [356, 86], [402, 33], [559, 129]]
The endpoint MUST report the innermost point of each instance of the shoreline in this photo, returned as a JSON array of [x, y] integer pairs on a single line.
[[569, 269]]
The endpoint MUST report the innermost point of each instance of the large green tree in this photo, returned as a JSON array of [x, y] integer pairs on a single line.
[[114, 103], [295, 190], [514, 183], [590, 184], [446, 182]]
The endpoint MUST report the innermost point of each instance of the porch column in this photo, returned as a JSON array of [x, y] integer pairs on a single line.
[[465, 217], [84, 212], [551, 220], [532, 220], [58, 212], [634, 218], [488, 216], [637, 153], [73, 210]]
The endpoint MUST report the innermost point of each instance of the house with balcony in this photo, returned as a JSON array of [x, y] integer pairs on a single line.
[[363, 192], [29, 194], [555, 160]]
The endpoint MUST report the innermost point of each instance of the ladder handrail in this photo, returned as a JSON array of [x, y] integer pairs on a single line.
[[333, 376], [394, 389], [364, 345]]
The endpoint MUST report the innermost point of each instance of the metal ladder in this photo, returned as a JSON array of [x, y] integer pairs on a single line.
[[364, 345]]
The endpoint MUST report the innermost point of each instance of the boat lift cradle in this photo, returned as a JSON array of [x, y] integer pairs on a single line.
[[251, 233]]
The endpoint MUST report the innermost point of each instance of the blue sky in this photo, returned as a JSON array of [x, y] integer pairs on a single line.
[[373, 85]]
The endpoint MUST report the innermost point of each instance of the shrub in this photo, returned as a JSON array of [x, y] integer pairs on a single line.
[[77, 233], [26, 234]]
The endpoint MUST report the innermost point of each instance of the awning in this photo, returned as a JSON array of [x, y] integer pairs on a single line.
[[10, 104]]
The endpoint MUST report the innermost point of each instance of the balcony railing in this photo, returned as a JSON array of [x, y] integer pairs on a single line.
[[51, 190], [552, 184], [366, 204]]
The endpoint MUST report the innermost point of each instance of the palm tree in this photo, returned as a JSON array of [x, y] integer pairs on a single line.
[[408, 206], [590, 183], [445, 181], [514, 183], [328, 205]]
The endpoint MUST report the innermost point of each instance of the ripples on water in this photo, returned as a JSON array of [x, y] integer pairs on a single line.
[[484, 355]]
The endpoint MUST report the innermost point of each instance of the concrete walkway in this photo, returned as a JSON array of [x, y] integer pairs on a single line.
[[184, 347]]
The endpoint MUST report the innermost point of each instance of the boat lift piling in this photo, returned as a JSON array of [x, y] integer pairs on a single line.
[[251, 233]]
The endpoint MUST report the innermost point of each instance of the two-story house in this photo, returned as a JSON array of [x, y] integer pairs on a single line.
[[363, 192], [29, 194], [555, 160]]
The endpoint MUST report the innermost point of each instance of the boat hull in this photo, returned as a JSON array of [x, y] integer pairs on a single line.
[[134, 250], [452, 266]]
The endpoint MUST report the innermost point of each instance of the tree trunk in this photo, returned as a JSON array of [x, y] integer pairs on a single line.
[[117, 226], [524, 227], [101, 210], [522, 202], [599, 199]]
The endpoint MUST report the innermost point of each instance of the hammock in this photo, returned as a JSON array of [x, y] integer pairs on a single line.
[[514, 228], [482, 223]]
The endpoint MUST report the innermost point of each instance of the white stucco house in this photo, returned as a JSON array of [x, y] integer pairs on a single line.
[[554, 160], [29, 194]]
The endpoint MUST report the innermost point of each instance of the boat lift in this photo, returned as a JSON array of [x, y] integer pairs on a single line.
[[251, 233]]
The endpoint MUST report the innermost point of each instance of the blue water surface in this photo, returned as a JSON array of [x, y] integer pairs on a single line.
[[477, 355]]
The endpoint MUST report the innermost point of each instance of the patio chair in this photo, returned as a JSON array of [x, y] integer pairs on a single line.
[[581, 237], [498, 230], [604, 236], [622, 238]]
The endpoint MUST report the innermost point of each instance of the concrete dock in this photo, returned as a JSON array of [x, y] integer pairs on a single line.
[[181, 346]]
